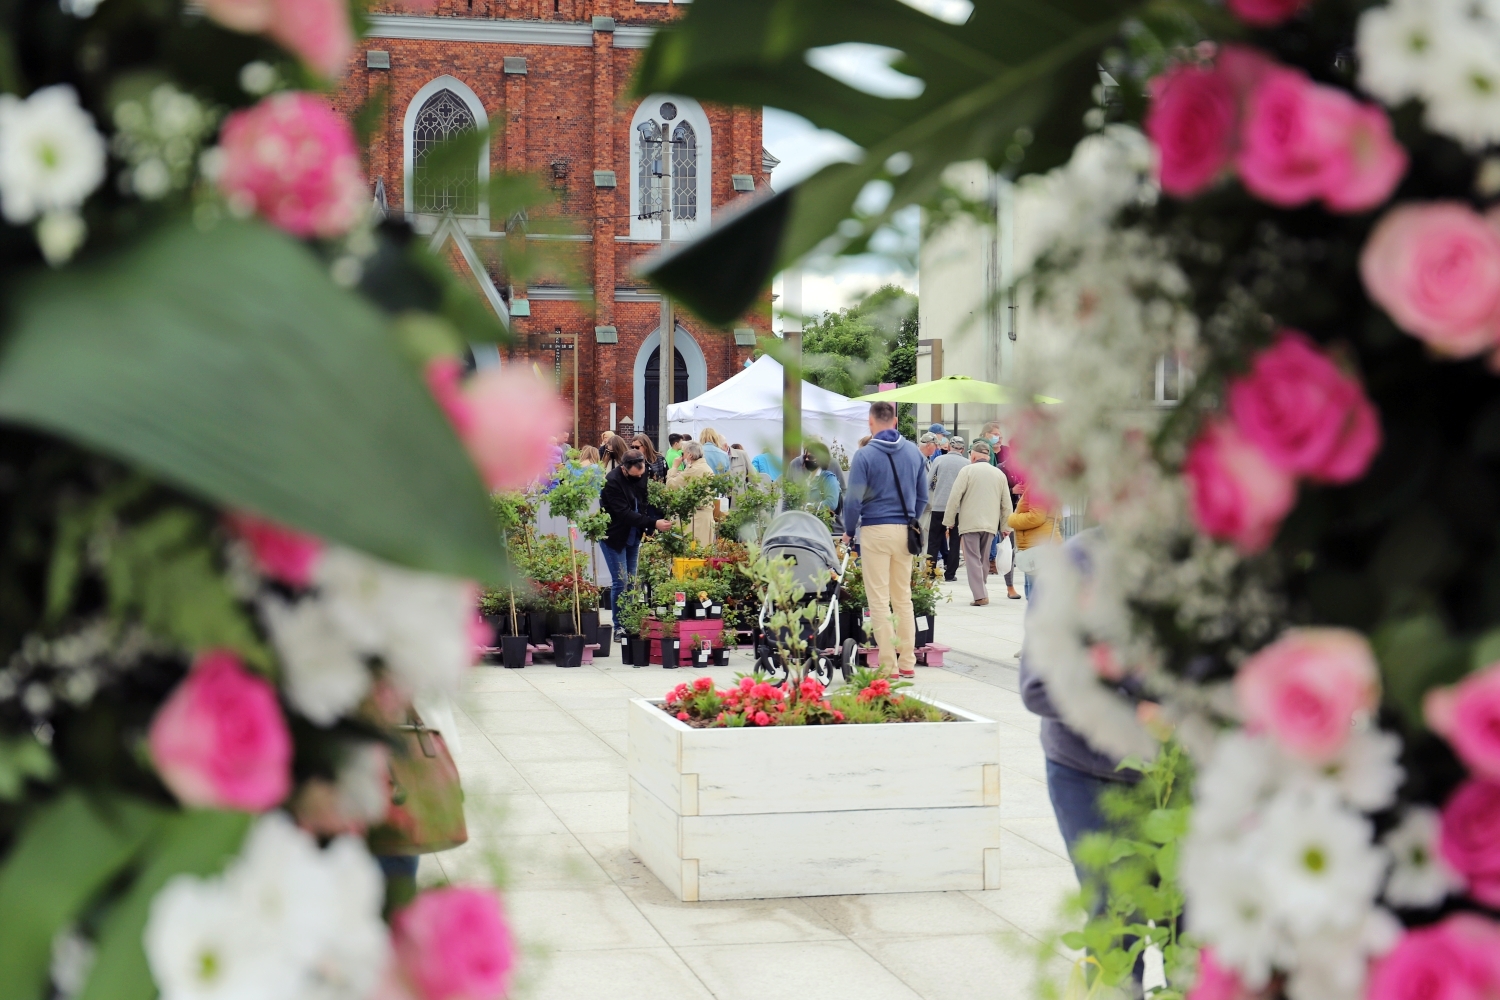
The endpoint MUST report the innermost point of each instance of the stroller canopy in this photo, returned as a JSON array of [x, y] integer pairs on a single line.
[[808, 542]]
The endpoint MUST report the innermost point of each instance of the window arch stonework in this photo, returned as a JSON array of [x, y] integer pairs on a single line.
[[443, 116], [671, 159]]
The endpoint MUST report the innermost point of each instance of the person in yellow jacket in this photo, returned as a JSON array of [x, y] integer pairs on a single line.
[[695, 468], [1035, 526]]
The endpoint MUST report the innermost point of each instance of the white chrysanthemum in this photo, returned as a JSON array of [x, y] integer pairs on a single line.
[[1229, 907], [285, 920], [324, 675], [51, 156], [1333, 966], [1365, 774], [1463, 88], [1243, 772], [200, 947], [1398, 48], [1419, 875], [418, 623], [1319, 858]]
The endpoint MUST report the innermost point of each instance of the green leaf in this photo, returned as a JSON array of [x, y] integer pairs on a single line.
[[1163, 826], [200, 842], [1416, 654], [1009, 86], [23, 758], [68, 851], [228, 363], [1073, 939]]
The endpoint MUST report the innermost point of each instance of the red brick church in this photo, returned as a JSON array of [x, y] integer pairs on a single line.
[[558, 73]]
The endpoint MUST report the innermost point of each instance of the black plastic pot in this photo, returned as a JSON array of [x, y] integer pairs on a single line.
[[602, 637], [721, 656], [499, 624], [640, 651], [924, 635], [670, 647], [626, 658], [852, 624], [567, 650], [513, 651], [589, 620], [536, 627], [703, 657]]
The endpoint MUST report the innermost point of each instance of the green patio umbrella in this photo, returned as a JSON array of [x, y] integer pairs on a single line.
[[950, 389]]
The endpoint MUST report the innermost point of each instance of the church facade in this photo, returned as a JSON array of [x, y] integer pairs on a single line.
[[557, 74]]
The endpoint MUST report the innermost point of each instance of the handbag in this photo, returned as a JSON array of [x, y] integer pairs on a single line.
[[426, 813], [913, 526]]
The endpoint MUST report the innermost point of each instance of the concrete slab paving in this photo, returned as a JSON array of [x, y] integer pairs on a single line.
[[543, 766]]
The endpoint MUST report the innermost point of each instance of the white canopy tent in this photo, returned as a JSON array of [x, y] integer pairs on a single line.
[[747, 409]]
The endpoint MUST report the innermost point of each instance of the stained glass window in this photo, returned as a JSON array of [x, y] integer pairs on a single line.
[[684, 172]]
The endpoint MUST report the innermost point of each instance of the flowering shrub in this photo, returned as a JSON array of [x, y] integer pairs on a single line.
[[756, 701]]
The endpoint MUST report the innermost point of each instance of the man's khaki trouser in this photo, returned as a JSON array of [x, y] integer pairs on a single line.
[[887, 570]]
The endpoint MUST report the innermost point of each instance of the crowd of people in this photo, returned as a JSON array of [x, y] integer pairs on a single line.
[[942, 499]]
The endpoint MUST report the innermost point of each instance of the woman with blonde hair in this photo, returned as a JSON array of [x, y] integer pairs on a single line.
[[715, 450], [613, 451]]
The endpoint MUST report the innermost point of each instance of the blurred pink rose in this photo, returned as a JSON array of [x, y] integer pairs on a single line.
[[1236, 493], [1302, 140], [1451, 960], [282, 554], [1470, 839], [1192, 121], [1307, 688], [1435, 268], [1265, 13], [1374, 163], [316, 30], [506, 417], [293, 159], [454, 944], [1467, 715], [220, 741], [1307, 415], [1215, 981]]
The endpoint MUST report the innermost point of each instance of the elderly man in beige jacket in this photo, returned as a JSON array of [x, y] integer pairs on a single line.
[[979, 504]]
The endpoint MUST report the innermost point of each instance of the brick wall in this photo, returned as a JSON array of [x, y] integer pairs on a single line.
[[571, 108]]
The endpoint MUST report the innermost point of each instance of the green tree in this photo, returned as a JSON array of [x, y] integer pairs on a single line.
[[872, 341]]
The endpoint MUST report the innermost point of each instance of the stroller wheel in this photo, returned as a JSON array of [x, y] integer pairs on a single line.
[[848, 657], [772, 668], [823, 670]]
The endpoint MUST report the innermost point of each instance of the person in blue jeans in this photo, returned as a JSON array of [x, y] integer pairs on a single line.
[[631, 517]]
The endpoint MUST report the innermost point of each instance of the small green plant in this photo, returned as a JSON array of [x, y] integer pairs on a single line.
[[790, 623], [573, 493]]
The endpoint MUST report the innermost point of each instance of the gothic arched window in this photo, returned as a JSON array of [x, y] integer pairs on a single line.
[[456, 189], [684, 172], [649, 181]]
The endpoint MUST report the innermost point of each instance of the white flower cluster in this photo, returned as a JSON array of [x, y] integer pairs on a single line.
[[1280, 870], [158, 138], [416, 624], [51, 159], [1446, 52], [285, 920], [70, 668]]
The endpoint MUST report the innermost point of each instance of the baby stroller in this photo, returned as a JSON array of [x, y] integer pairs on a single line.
[[801, 537]]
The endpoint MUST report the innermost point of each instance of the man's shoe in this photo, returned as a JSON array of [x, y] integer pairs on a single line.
[[949, 579], [979, 603], [993, 570], [908, 673]]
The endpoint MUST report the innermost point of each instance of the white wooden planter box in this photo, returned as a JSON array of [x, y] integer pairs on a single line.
[[815, 810]]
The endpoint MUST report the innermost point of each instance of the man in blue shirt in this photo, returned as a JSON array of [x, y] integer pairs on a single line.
[[887, 491]]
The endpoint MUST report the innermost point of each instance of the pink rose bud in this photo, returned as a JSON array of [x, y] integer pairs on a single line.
[[1304, 413], [293, 159], [220, 741], [1307, 688], [1451, 960], [1265, 13], [1235, 492], [1301, 140], [1192, 122], [1467, 715], [454, 944], [282, 554], [1470, 838], [506, 418], [1435, 269]]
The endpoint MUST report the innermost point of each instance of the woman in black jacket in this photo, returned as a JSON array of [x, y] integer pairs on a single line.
[[631, 517]]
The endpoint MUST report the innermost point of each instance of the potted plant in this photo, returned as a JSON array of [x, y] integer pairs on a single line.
[[852, 602], [924, 599], [702, 651], [720, 652], [570, 497], [671, 645]]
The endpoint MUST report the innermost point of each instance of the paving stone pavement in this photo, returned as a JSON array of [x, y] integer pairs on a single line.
[[542, 755]]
